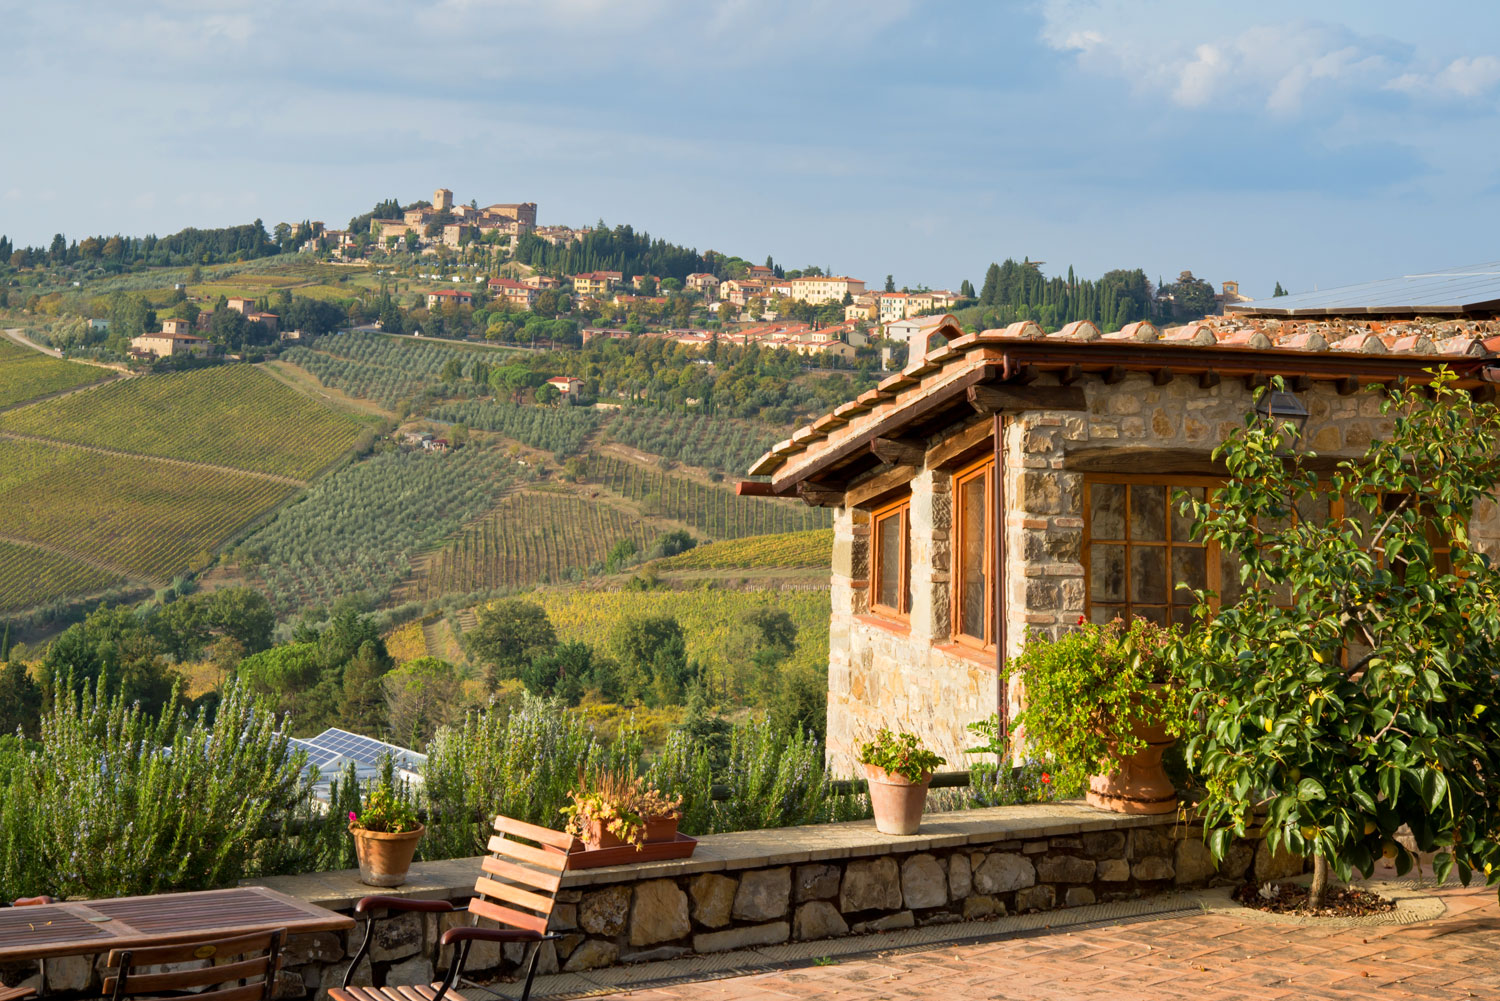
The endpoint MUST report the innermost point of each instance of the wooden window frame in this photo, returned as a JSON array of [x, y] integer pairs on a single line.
[[901, 510], [984, 467]]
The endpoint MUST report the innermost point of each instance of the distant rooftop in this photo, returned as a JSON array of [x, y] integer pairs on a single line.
[[1466, 291]]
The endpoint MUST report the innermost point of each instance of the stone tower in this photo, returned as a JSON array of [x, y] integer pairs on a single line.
[[442, 200]]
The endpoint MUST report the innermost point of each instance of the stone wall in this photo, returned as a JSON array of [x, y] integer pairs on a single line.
[[915, 678]]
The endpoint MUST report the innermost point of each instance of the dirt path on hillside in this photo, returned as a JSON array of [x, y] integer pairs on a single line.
[[111, 568], [14, 333], [188, 463]]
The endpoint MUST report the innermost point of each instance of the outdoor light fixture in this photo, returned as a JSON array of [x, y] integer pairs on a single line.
[[1283, 409]]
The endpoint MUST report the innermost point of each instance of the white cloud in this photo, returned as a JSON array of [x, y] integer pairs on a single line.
[[1195, 56]]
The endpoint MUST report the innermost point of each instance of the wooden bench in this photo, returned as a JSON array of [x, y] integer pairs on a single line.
[[516, 889]]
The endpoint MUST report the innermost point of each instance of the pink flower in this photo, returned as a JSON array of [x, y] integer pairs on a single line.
[[352, 818]]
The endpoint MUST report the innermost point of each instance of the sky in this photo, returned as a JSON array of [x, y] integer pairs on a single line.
[[1307, 143]]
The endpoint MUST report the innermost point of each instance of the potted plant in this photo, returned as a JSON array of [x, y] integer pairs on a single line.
[[899, 769], [613, 810], [386, 833], [1101, 703]]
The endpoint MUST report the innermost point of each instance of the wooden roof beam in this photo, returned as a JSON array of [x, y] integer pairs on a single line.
[[899, 451], [989, 399]]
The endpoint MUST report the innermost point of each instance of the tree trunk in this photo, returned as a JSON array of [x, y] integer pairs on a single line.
[[1318, 891]]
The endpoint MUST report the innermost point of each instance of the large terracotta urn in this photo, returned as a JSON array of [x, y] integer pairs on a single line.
[[1139, 783], [897, 801]]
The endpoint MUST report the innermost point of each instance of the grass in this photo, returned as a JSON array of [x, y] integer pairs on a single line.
[[231, 415], [31, 577], [151, 519], [790, 550], [26, 374]]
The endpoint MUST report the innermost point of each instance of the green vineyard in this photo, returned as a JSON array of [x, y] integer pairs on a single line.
[[151, 519], [233, 415], [531, 538], [793, 550], [31, 577], [714, 511], [26, 374]]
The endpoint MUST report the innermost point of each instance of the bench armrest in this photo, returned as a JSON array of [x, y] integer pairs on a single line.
[[466, 934], [382, 902]]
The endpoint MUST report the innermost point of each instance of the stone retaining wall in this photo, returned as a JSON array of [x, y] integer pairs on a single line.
[[761, 888]]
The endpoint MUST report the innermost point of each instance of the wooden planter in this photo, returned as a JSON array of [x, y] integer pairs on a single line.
[[384, 859], [897, 801]]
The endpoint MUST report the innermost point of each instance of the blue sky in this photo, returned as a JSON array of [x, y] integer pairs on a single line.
[[1309, 143]]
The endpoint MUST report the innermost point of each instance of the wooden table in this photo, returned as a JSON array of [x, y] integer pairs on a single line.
[[87, 927]]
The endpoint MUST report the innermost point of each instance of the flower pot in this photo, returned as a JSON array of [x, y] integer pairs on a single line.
[[1138, 783], [597, 836], [660, 829], [898, 802], [384, 858]]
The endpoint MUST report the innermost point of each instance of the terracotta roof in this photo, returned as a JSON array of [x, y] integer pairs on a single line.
[[1235, 346]]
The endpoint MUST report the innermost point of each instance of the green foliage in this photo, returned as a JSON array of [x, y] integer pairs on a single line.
[[713, 510], [994, 781], [385, 810], [900, 754], [509, 635], [117, 802], [1350, 689], [1089, 689], [20, 701], [790, 550], [34, 577], [26, 374]]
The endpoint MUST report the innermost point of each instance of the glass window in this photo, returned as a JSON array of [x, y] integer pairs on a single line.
[[1139, 547], [890, 578], [974, 559]]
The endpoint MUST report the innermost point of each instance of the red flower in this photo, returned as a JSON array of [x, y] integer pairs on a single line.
[[1046, 777], [1080, 620]]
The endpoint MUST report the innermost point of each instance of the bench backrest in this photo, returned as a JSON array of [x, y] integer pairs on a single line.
[[238, 960], [520, 881]]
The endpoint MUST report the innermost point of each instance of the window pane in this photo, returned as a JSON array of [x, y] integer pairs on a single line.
[[1105, 614], [1157, 615], [1182, 615], [1190, 567], [1107, 573], [1107, 510], [1230, 590], [1148, 513], [1182, 525], [1148, 574], [1313, 509], [971, 554], [888, 573]]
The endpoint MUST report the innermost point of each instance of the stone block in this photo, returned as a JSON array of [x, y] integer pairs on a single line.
[[1112, 870], [818, 919], [1064, 869], [982, 906], [603, 912], [816, 882], [713, 896], [591, 955], [960, 876], [1003, 872], [1066, 844], [1145, 841], [659, 913], [764, 894], [71, 973], [564, 917], [1237, 861], [744, 937], [1034, 847], [1103, 844], [416, 970], [567, 944], [288, 984], [1036, 898], [396, 937], [870, 884], [1193, 863], [1154, 867], [517, 953], [923, 882], [482, 955], [1278, 865], [889, 922], [316, 947], [1077, 896]]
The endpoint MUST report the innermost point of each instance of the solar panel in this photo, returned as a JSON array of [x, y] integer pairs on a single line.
[[1473, 288], [367, 752], [322, 757]]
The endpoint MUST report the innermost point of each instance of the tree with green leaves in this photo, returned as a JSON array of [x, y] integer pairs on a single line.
[[890, 283], [509, 635], [1351, 689], [20, 700], [1279, 292]]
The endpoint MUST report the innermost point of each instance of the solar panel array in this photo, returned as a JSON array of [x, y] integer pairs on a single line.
[[1474, 288], [333, 750]]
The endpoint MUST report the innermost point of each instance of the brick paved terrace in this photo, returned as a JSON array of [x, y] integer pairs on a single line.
[[1213, 956]]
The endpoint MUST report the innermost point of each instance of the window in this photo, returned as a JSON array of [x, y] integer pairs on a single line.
[[1138, 547], [890, 559], [974, 554]]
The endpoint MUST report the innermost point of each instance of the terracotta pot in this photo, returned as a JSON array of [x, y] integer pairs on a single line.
[[898, 803], [660, 829], [1138, 784], [385, 858], [596, 836]]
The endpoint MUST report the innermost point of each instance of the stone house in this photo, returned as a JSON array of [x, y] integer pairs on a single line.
[[1011, 480]]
